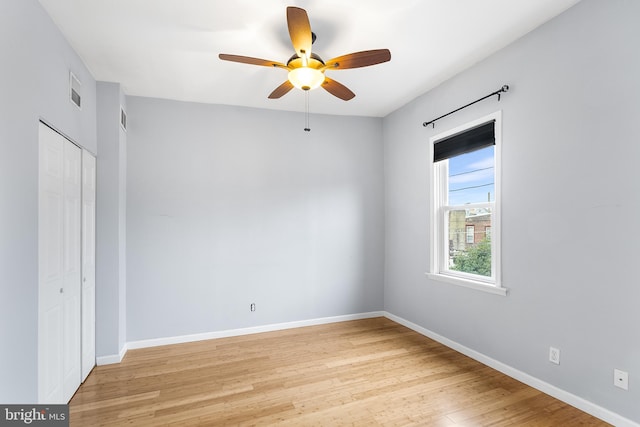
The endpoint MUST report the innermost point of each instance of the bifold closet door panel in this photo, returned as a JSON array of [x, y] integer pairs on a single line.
[[88, 263], [50, 277], [71, 247], [59, 267]]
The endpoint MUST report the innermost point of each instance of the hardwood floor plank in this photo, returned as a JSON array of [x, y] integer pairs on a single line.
[[359, 373], [79, 406]]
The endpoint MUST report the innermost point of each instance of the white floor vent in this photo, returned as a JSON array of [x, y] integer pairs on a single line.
[[75, 90]]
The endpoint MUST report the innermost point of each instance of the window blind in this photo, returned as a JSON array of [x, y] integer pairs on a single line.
[[465, 142]]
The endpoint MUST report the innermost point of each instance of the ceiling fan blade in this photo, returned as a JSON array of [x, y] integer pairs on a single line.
[[337, 89], [299, 31], [250, 60], [281, 90], [364, 58]]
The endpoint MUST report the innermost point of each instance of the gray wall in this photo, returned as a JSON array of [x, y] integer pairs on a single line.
[[34, 79], [228, 206], [570, 197], [111, 227]]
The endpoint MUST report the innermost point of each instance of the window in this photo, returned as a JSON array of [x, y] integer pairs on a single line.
[[470, 229], [465, 165]]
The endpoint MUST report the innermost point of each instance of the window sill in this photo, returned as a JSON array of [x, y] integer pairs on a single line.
[[479, 286]]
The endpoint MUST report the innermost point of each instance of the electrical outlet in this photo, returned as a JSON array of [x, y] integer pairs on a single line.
[[554, 355], [621, 379], [253, 306]]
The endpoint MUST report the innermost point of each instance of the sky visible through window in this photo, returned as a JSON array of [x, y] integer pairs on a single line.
[[471, 177]]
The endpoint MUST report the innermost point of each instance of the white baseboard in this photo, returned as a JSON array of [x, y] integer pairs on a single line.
[[565, 396], [112, 358], [251, 330]]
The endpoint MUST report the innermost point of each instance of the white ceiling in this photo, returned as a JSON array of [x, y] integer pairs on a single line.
[[169, 48]]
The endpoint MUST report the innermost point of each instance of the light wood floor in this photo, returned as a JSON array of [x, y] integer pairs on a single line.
[[361, 373]]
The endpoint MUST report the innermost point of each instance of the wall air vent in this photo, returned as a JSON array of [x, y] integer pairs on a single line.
[[75, 90], [123, 119]]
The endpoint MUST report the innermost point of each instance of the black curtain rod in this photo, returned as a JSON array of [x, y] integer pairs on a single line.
[[504, 88]]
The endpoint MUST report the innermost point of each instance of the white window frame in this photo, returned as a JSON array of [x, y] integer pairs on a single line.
[[438, 268]]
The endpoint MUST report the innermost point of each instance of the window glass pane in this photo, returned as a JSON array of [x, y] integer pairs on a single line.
[[469, 242], [471, 177]]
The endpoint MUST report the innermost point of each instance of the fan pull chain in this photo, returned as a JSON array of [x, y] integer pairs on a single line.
[[307, 128]]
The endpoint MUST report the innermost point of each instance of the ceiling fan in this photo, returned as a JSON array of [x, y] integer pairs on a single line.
[[306, 69]]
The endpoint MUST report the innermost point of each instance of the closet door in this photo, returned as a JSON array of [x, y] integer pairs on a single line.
[[50, 277], [88, 263], [59, 267], [72, 268]]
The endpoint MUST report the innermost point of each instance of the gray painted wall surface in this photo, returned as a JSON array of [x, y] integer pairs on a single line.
[[570, 197], [228, 206], [34, 79], [111, 226]]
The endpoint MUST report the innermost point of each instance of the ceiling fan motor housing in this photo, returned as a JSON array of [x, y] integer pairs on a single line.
[[314, 62]]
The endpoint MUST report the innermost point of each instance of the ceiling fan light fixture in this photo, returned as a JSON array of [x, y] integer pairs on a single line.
[[306, 78]]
